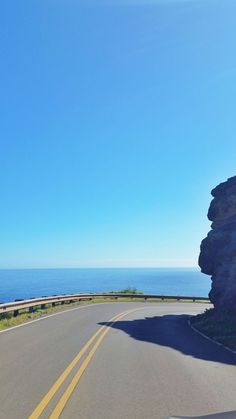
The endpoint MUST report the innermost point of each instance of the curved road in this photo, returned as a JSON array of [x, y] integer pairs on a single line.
[[145, 363]]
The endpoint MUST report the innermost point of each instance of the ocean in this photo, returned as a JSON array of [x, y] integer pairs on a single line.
[[29, 283]]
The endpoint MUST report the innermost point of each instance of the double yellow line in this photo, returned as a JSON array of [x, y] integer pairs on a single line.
[[100, 334]]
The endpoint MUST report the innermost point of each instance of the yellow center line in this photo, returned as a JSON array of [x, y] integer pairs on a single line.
[[47, 398], [68, 392]]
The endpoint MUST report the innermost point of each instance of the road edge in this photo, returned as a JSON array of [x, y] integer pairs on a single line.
[[47, 316], [208, 338]]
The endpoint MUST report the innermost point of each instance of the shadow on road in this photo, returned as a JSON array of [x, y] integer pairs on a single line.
[[174, 332]]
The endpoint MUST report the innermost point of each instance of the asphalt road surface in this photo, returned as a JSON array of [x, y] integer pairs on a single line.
[[115, 361]]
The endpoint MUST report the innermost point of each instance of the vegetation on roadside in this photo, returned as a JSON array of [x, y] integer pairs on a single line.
[[128, 290], [220, 327]]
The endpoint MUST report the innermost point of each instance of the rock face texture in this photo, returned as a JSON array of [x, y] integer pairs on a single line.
[[218, 250]]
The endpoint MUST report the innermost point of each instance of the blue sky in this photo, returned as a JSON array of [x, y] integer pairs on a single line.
[[117, 119]]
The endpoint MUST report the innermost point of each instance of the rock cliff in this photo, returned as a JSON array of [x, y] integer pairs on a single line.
[[218, 250]]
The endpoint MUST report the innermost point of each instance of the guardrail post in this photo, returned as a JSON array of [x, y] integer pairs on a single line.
[[53, 304], [31, 309], [43, 306], [15, 313]]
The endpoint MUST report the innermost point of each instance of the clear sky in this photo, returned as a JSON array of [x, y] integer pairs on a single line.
[[117, 119]]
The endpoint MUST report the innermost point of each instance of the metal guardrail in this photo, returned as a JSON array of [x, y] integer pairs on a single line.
[[60, 299]]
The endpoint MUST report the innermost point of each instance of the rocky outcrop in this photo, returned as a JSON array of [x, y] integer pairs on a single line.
[[218, 250]]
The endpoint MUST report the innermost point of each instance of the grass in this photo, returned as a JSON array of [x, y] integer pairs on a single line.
[[220, 327]]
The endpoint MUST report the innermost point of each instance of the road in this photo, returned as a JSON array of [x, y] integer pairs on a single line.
[[145, 364]]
